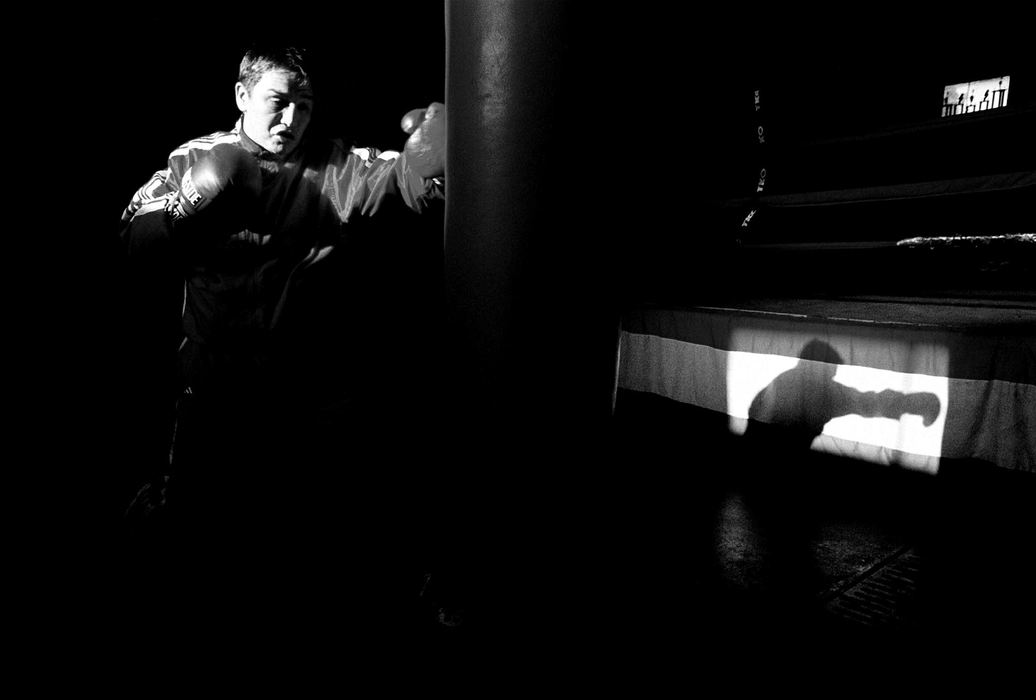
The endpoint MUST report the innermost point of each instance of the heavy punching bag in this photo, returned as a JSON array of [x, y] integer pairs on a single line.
[[531, 305], [528, 256]]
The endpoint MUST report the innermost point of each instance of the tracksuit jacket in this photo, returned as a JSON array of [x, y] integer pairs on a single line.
[[239, 281]]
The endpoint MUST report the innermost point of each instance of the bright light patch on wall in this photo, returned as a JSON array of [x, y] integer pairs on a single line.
[[905, 438], [872, 414], [977, 96]]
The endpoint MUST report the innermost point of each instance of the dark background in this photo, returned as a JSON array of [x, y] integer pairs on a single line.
[[103, 98]]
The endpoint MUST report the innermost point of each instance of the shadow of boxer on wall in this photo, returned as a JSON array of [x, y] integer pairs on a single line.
[[783, 485]]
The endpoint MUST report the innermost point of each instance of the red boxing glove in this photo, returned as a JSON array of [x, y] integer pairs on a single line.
[[226, 168], [426, 147]]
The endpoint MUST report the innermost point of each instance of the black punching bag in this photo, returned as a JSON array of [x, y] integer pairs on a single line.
[[532, 313]]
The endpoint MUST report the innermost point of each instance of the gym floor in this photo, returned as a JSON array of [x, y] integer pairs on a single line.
[[719, 555]]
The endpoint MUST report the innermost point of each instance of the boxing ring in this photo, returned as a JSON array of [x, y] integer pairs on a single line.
[[902, 382]]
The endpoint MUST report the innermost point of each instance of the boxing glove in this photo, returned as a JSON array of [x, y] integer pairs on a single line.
[[924, 404], [895, 404], [426, 148], [412, 119], [225, 170]]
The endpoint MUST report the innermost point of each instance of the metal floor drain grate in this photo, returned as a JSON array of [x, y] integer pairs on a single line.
[[882, 595]]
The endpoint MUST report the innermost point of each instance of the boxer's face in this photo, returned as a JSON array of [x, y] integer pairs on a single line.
[[276, 111]]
